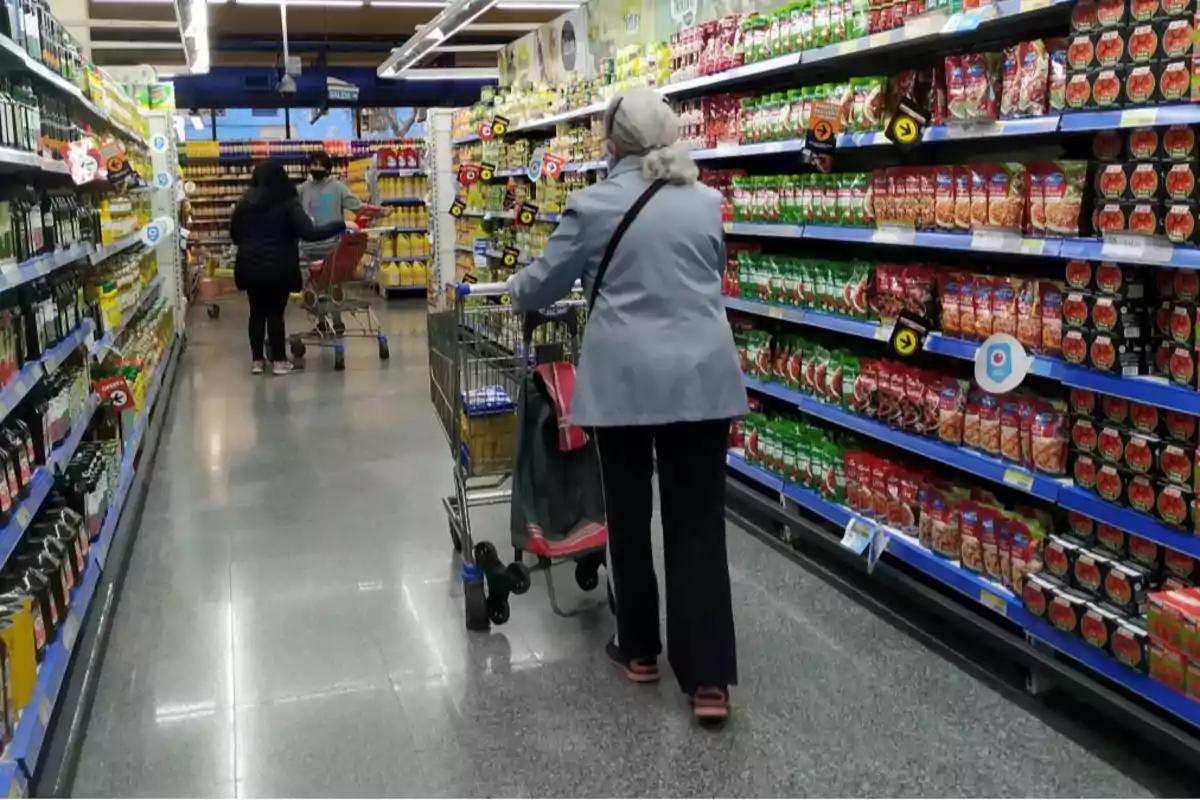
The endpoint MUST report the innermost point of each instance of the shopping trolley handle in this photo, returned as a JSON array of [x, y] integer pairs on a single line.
[[495, 289]]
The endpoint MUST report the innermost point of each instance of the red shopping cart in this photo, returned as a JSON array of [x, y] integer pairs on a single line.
[[329, 304]]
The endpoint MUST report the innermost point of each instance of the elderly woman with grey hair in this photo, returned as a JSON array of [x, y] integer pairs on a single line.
[[658, 374]]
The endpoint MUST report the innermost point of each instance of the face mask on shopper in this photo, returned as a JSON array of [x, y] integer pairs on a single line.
[[318, 174]]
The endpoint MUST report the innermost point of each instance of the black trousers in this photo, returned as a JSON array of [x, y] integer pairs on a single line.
[[691, 481], [267, 305]]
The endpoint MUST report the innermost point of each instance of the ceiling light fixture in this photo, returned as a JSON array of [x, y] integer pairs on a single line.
[[452, 74], [192, 16], [406, 3], [526, 5], [305, 3], [442, 27]]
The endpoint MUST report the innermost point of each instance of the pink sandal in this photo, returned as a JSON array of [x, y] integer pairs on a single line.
[[710, 705], [638, 670]]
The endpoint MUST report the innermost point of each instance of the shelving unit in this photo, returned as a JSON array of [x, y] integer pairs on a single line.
[[121, 220], [1158, 712]]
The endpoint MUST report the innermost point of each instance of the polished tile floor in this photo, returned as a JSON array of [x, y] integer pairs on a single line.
[[292, 626]]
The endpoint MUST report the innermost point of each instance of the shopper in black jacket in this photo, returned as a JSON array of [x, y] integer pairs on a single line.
[[266, 225]]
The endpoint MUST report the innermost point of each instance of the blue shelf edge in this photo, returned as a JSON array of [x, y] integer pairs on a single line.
[[1081, 501], [988, 594], [15, 274], [865, 329], [121, 245], [104, 541], [26, 745], [974, 463]]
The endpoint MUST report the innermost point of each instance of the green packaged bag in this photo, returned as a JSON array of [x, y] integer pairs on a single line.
[[851, 370], [822, 33]]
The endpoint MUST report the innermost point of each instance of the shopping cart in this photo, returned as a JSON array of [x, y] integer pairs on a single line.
[[480, 353], [328, 303]]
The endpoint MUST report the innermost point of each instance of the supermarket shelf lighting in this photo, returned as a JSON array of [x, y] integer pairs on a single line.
[[441, 28]]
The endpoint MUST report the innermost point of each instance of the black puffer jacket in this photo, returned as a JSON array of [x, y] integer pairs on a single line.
[[266, 231]]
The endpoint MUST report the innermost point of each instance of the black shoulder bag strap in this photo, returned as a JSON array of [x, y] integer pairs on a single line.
[[618, 234]]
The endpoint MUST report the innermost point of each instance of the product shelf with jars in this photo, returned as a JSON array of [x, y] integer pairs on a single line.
[[1024, 207]]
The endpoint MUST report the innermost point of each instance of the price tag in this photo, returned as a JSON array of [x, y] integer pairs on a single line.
[[1021, 480], [894, 235], [883, 333], [879, 39], [44, 710], [728, 226], [10, 272], [23, 516], [876, 548], [1131, 247], [993, 601], [1138, 117], [21, 388], [775, 312], [845, 48], [858, 533], [996, 241], [70, 631], [1033, 247], [1033, 5]]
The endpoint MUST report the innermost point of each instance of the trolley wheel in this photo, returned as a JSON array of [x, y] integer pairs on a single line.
[[298, 348], [339, 329], [455, 539], [214, 311], [519, 578], [384, 353], [476, 605], [586, 576], [339, 361], [498, 611]]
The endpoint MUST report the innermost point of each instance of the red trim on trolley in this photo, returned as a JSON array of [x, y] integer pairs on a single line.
[[588, 536], [559, 380]]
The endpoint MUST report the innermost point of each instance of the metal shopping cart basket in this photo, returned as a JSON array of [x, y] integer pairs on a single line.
[[482, 355], [328, 304]]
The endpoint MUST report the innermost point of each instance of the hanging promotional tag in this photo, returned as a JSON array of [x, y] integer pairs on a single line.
[[908, 335], [487, 172], [485, 130], [457, 208], [907, 124], [824, 124], [115, 391], [499, 125], [510, 257], [468, 174], [534, 170], [1001, 364], [526, 214], [553, 166]]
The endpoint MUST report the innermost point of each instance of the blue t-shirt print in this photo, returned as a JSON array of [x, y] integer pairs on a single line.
[[326, 206]]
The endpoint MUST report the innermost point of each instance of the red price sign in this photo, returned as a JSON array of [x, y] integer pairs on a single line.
[[115, 391], [485, 130]]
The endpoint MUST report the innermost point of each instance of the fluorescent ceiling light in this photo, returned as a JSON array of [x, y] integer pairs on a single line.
[[307, 3], [197, 121], [406, 3], [435, 34], [525, 5], [455, 17], [493, 27], [451, 74], [468, 48]]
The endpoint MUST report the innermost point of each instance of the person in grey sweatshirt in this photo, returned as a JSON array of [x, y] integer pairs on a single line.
[[326, 199]]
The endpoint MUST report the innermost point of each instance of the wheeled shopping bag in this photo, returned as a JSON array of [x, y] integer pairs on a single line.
[[501, 382]]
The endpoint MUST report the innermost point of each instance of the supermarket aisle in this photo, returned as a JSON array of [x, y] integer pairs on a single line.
[[292, 626]]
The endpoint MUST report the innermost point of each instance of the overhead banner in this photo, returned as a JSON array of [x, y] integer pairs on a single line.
[[549, 55]]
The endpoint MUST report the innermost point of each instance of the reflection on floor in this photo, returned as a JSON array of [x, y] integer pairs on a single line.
[[292, 626]]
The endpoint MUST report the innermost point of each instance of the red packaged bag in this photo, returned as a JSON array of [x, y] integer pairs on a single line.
[[1010, 77], [1035, 71]]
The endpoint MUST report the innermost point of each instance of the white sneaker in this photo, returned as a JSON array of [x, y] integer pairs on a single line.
[[257, 367], [282, 368]]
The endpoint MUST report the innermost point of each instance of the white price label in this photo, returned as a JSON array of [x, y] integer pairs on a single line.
[[10, 271], [878, 544], [70, 631], [1131, 247], [996, 241], [22, 516], [894, 235], [44, 711], [858, 533], [1033, 247], [775, 312], [883, 333]]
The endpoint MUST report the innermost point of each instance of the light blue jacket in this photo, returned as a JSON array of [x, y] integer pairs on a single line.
[[658, 348]]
